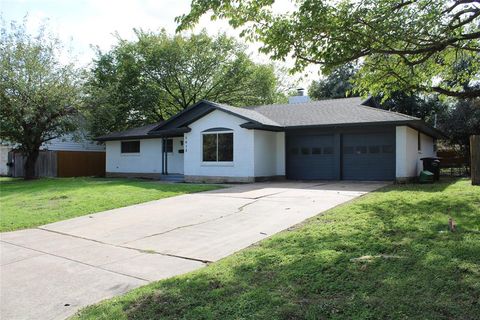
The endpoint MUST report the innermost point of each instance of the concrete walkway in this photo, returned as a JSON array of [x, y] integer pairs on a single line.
[[52, 271]]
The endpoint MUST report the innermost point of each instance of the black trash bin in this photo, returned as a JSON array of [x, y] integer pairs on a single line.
[[432, 164]]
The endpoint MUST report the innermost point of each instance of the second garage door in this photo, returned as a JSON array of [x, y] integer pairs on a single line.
[[368, 156]]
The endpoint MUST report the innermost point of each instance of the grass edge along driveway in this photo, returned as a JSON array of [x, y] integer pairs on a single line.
[[26, 204], [387, 255]]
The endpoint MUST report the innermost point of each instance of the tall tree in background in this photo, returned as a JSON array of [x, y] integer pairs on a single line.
[[39, 96], [157, 75], [338, 84], [402, 45], [459, 122], [425, 107]]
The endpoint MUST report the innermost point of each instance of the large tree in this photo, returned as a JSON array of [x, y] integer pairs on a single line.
[[338, 84], [425, 107], [157, 75], [403, 45], [39, 96], [459, 122]]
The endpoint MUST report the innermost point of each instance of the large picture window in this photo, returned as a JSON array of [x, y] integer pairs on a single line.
[[217, 147], [130, 147]]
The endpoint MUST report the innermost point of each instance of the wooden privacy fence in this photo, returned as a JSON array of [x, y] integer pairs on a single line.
[[62, 164], [453, 163], [78, 164], [46, 165]]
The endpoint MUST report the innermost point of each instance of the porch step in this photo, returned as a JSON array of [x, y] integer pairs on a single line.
[[172, 178]]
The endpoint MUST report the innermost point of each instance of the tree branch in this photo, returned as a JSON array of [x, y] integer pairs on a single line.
[[467, 94]]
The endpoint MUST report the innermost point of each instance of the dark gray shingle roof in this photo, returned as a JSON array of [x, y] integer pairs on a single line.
[[133, 133], [247, 113], [346, 111], [327, 112]]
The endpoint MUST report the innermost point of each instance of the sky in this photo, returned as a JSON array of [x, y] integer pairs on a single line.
[[81, 24]]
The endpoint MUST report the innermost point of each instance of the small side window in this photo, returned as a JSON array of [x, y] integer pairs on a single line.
[[316, 150], [130, 147]]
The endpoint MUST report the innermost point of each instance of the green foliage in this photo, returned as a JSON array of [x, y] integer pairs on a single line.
[[423, 107], [387, 255], [406, 46], [459, 122], [337, 84], [157, 75], [39, 96], [27, 204]]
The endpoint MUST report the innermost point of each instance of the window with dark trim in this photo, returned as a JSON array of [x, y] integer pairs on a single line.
[[130, 147], [168, 145], [316, 150], [217, 147], [419, 138]]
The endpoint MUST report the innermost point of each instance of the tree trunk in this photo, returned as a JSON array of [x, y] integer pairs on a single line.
[[475, 159], [31, 160]]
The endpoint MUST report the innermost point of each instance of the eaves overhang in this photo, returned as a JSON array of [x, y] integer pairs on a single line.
[[419, 125], [176, 132], [259, 126]]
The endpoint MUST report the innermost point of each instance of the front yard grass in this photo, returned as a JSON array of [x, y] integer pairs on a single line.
[[387, 255], [25, 204]]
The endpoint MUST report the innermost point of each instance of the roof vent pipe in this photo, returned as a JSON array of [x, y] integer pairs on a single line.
[[299, 98]]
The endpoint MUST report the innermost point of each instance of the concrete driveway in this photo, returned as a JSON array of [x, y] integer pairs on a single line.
[[51, 271]]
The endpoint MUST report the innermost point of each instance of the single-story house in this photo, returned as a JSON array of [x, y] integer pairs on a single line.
[[340, 139]]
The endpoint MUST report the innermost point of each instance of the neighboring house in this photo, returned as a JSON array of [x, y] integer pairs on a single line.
[[70, 155], [330, 139], [72, 142]]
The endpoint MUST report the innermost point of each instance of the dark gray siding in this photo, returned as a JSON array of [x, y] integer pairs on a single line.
[[311, 165]]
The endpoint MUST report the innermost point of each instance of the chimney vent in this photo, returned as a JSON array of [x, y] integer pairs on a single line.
[[299, 98]]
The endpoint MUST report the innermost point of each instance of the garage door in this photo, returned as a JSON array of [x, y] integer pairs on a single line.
[[369, 156], [311, 157]]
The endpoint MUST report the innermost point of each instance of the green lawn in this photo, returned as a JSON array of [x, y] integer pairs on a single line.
[[25, 204], [411, 266]]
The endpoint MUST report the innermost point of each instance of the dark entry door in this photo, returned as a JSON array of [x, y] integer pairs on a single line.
[[310, 157], [368, 156]]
